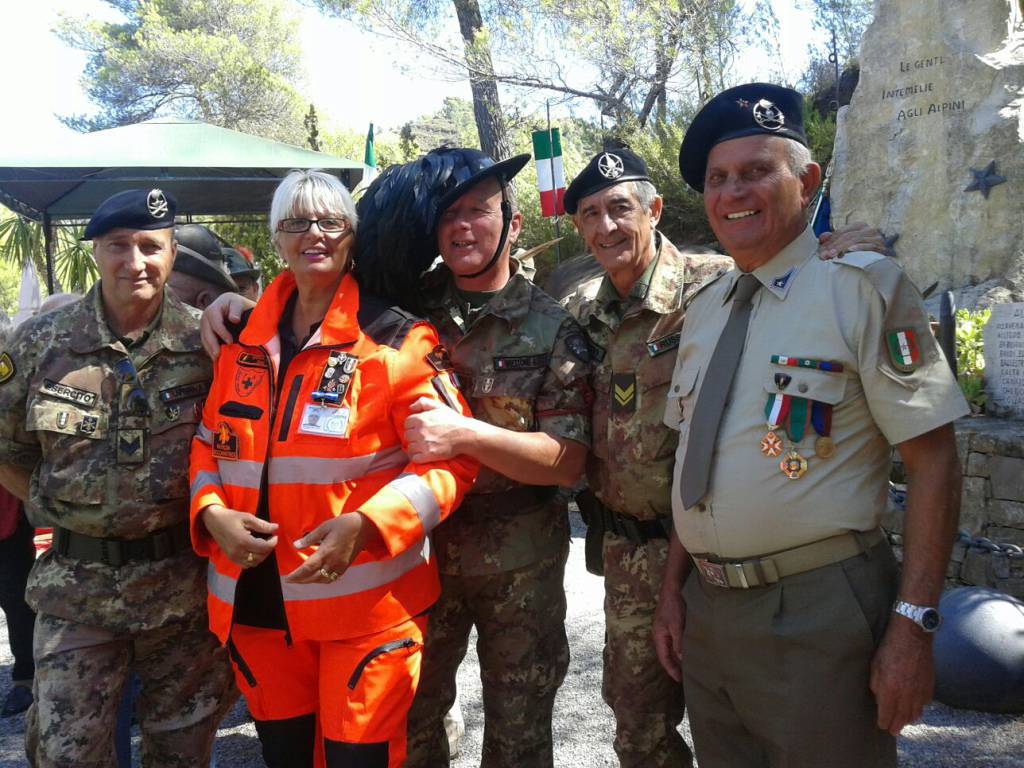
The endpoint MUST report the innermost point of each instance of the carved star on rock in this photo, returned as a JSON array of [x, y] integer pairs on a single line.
[[985, 180]]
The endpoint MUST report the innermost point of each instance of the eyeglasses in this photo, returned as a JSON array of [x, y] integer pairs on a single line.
[[295, 226]]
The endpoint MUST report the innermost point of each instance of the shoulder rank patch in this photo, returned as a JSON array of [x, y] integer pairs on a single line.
[[577, 344], [71, 394], [249, 360], [623, 392], [903, 349], [6, 368], [664, 344], [184, 392], [524, 363]]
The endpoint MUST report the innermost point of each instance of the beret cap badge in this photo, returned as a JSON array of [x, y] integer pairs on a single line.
[[610, 166], [156, 203], [768, 116]]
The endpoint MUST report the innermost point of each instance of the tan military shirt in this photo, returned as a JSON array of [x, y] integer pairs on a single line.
[[109, 453], [633, 345], [861, 312], [523, 364]]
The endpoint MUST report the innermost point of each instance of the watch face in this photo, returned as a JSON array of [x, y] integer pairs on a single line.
[[930, 620]]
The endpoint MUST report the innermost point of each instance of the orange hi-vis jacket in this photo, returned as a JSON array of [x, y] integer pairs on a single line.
[[330, 442]]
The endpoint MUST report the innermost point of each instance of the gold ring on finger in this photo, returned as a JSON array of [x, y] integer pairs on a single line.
[[329, 575]]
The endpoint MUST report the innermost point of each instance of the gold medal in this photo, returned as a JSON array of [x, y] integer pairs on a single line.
[[771, 445], [825, 447], [793, 465]]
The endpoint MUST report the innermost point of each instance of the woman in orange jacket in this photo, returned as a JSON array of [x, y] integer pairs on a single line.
[[314, 521]]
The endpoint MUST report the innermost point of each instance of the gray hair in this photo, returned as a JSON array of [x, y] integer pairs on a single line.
[[302, 193], [645, 193], [798, 157]]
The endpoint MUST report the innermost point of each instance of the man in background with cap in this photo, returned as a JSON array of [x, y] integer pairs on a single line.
[[795, 644], [243, 271], [200, 272], [99, 402], [632, 314]]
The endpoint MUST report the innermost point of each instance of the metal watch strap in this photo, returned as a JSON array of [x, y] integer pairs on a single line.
[[915, 613]]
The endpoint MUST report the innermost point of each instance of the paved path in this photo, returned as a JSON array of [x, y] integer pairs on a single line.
[[946, 738]]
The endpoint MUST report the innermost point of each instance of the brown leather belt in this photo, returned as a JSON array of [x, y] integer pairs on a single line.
[[768, 569], [157, 545]]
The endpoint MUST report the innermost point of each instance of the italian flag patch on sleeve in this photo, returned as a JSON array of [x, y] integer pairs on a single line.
[[903, 349]]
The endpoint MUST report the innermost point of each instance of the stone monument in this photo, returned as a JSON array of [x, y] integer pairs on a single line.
[[931, 148], [1004, 360]]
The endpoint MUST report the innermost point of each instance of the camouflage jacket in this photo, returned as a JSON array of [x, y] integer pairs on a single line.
[[633, 345], [109, 453], [522, 364]]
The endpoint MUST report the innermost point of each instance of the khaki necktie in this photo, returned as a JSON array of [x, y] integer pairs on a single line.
[[707, 414]]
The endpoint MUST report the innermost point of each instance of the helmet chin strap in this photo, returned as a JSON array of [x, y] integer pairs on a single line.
[[506, 222]]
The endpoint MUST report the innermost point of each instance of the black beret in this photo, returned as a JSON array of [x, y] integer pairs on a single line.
[[746, 110], [238, 265], [133, 209], [605, 169], [468, 167], [199, 255]]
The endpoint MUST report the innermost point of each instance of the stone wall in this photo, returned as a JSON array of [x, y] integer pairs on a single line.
[[990, 549]]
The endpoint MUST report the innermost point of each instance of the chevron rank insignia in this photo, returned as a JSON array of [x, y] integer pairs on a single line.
[[623, 392], [131, 446]]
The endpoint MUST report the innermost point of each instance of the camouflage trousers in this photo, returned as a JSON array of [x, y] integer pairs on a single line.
[[187, 687], [647, 703], [524, 654]]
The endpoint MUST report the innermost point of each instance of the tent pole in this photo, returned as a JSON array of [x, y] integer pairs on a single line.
[[48, 248]]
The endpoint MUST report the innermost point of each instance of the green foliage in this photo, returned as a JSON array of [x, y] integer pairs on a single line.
[[226, 62], [21, 240], [821, 133], [970, 355]]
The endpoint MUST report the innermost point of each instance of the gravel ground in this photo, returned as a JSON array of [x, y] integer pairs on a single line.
[[946, 738]]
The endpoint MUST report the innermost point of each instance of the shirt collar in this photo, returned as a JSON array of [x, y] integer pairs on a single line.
[[777, 274], [175, 326]]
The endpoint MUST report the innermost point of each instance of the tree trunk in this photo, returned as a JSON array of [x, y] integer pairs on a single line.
[[490, 123]]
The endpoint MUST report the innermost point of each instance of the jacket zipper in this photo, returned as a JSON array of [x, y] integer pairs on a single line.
[[380, 650]]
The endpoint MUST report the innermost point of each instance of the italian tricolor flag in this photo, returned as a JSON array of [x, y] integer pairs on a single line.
[[547, 152]]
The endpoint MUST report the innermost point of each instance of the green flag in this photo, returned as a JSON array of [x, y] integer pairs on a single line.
[[370, 158]]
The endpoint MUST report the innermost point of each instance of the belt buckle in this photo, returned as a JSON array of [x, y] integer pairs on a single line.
[[713, 573]]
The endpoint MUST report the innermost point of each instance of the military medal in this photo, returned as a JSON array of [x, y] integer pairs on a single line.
[[824, 448], [821, 418], [771, 445], [793, 465]]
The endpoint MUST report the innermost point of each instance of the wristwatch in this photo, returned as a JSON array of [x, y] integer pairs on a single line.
[[927, 618]]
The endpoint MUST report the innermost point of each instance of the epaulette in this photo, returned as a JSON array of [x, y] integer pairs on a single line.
[[884, 274], [383, 322], [709, 281]]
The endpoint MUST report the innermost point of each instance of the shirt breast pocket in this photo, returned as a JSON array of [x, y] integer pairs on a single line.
[[809, 383], [75, 447], [171, 430], [683, 393], [506, 399]]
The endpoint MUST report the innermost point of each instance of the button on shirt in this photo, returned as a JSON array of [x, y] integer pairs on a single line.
[[839, 312]]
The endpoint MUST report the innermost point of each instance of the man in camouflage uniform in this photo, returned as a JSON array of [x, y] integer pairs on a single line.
[[100, 400], [522, 363], [632, 314]]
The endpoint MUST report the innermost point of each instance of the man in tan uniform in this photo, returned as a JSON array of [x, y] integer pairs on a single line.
[[793, 378]]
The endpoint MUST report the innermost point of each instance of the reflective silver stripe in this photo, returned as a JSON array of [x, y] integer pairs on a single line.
[[204, 478], [310, 471], [204, 434], [241, 474], [360, 578], [220, 586], [422, 498]]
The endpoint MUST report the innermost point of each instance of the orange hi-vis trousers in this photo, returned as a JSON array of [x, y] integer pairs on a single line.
[[333, 704]]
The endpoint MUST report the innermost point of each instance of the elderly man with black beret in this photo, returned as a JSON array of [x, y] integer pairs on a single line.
[[782, 610], [99, 401]]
